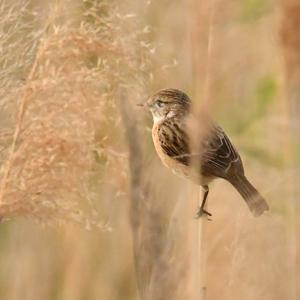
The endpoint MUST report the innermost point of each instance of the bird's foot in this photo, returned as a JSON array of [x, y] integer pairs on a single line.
[[201, 212]]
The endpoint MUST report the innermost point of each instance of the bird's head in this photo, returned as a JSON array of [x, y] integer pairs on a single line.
[[167, 103]]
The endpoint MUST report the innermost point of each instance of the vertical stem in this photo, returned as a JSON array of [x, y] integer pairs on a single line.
[[290, 33], [136, 185], [153, 274], [210, 40], [290, 202], [203, 221], [201, 242]]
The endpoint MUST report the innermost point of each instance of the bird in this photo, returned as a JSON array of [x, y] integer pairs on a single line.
[[195, 147]]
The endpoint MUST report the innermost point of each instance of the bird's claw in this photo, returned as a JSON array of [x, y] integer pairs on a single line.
[[201, 212]]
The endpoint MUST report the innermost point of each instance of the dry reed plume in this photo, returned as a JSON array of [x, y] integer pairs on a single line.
[[71, 68]]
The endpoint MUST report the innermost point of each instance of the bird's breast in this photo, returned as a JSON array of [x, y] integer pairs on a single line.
[[176, 167]]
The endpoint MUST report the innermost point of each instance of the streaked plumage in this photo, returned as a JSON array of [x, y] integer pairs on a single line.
[[214, 154]]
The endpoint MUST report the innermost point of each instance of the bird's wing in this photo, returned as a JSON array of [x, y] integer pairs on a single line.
[[216, 153]]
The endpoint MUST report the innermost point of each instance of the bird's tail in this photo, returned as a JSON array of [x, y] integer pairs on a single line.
[[256, 203]]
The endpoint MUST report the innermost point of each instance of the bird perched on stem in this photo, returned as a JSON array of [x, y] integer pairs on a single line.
[[195, 147]]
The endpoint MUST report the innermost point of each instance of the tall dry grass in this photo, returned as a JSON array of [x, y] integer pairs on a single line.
[[62, 106], [76, 152]]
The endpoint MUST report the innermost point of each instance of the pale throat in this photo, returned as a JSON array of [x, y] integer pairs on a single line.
[[157, 118]]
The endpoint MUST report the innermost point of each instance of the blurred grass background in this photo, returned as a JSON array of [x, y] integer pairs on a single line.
[[253, 88]]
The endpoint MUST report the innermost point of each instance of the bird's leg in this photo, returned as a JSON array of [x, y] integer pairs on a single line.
[[202, 210]]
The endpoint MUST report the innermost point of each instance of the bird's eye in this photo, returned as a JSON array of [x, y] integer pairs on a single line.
[[159, 103]]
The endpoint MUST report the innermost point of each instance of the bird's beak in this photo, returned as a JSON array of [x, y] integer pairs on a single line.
[[143, 105]]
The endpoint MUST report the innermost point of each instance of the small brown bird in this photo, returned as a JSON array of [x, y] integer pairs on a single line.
[[214, 156]]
